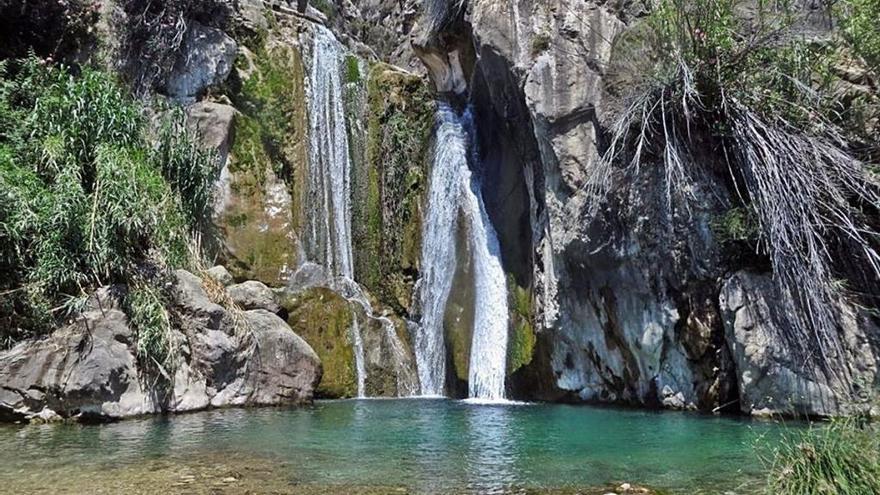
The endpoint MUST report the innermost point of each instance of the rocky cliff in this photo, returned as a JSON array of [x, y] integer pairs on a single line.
[[637, 302], [640, 302]]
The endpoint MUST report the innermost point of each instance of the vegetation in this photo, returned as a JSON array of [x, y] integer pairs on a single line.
[[755, 99], [87, 199], [388, 190], [841, 458]]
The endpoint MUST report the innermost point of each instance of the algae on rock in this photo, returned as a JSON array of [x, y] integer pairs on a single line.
[[390, 184], [260, 214], [324, 318]]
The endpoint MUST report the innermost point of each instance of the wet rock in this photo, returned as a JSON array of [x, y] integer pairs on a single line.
[[206, 58], [254, 295]]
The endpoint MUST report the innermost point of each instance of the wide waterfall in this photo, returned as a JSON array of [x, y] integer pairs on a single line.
[[328, 233], [455, 191]]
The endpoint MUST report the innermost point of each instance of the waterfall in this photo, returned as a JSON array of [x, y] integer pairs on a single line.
[[488, 361], [438, 248], [328, 233], [455, 190]]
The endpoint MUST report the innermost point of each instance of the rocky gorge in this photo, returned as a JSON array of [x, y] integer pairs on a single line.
[[327, 123]]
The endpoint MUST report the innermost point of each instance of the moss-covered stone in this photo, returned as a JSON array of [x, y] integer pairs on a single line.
[[323, 318], [261, 214], [522, 338], [390, 184]]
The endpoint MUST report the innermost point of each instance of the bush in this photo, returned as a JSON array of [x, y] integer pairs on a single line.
[[85, 199], [842, 458], [753, 98]]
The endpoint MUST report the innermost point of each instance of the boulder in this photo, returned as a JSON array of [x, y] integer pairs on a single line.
[[213, 124], [206, 58], [254, 295], [89, 369], [772, 378], [86, 368], [221, 274]]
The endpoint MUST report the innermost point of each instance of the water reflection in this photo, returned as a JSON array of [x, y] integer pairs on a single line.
[[492, 452], [423, 446]]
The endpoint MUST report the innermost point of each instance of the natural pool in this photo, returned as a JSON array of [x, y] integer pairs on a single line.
[[389, 446]]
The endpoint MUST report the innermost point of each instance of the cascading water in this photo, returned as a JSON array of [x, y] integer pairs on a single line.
[[328, 233], [438, 248], [455, 190], [488, 362]]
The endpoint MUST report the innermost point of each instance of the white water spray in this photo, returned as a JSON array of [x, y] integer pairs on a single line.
[[455, 191], [328, 235]]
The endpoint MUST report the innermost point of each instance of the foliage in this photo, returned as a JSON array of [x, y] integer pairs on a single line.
[[152, 34], [86, 200], [540, 44], [841, 458], [765, 103], [146, 307], [860, 20], [57, 29], [736, 225]]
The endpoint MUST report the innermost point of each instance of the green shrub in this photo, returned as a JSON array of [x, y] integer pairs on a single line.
[[751, 96], [860, 20], [841, 458], [86, 199]]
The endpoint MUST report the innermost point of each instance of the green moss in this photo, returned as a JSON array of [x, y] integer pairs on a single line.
[[540, 44], [522, 338], [352, 69], [270, 146], [387, 208], [736, 224], [323, 319]]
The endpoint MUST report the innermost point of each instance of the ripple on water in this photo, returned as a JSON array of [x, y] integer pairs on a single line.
[[414, 445]]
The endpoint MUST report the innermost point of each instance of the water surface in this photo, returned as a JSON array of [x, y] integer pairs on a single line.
[[412, 445]]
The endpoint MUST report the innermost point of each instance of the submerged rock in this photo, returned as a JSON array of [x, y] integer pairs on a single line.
[[89, 369]]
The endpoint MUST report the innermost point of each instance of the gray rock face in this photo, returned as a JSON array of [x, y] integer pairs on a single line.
[[89, 369], [221, 274], [771, 379], [627, 301], [212, 123], [206, 58], [254, 295]]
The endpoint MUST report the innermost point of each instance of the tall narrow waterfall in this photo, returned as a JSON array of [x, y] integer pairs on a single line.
[[328, 233], [454, 192], [488, 362], [438, 248]]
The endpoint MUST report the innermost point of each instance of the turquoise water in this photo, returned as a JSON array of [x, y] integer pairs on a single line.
[[426, 446]]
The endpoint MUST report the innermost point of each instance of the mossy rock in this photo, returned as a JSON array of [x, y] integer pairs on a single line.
[[522, 338], [323, 318], [262, 215], [390, 184]]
